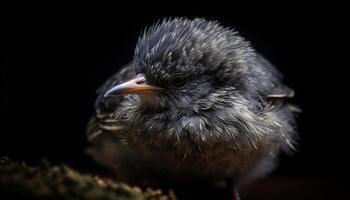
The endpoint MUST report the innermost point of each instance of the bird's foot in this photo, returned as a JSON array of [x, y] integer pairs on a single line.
[[235, 194], [233, 191]]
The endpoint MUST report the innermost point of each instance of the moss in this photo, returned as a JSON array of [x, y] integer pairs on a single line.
[[17, 180]]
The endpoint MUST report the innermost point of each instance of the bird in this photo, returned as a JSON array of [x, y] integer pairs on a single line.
[[197, 104]]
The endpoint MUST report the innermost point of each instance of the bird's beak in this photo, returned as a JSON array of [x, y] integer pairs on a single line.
[[137, 85]]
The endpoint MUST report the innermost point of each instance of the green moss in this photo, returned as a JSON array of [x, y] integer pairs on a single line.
[[17, 180]]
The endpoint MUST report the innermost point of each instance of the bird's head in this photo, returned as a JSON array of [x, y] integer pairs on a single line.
[[187, 65]]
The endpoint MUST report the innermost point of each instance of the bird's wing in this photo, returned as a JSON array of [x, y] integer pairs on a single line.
[[276, 91], [125, 73], [103, 120], [275, 88]]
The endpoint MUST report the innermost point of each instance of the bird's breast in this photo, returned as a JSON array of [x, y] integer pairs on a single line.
[[158, 159]]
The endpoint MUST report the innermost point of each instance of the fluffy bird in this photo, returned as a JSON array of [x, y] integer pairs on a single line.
[[196, 104]]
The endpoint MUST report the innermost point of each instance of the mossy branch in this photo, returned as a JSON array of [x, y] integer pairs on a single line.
[[17, 180]]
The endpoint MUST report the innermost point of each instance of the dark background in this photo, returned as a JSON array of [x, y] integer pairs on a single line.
[[53, 62]]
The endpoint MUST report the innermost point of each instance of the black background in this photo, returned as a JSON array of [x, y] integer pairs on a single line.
[[52, 63]]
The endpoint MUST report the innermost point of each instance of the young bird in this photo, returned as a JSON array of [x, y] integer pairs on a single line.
[[197, 104]]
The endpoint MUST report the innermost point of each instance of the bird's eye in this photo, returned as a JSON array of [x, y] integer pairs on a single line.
[[178, 82]]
